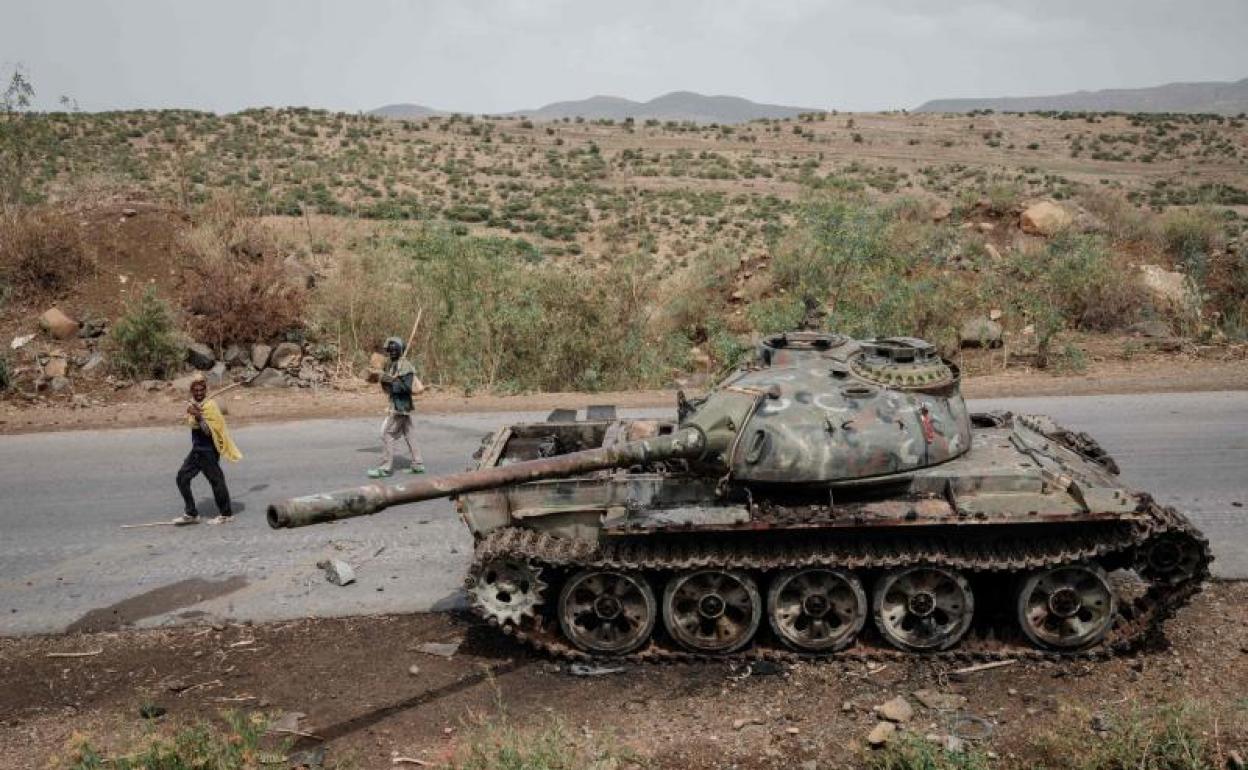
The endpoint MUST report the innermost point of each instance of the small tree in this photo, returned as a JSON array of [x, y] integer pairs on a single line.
[[24, 136], [144, 341]]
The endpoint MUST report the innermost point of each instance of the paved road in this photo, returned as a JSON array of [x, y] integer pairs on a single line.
[[65, 561]]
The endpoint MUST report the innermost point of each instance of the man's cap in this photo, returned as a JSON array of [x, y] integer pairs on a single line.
[[394, 341]]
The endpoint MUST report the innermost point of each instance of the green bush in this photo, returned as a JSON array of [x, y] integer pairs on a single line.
[[201, 747], [144, 342], [1191, 236], [6, 374]]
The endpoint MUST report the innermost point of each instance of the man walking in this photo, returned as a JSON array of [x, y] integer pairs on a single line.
[[398, 381], [210, 441]]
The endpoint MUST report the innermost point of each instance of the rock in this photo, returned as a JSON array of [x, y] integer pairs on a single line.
[[129, 212], [80, 401], [234, 356], [285, 356], [57, 366], [810, 764], [737, 724], [994, 314], [260, 355], [152, 385], [311, 372], [93, 362], [337, 571], [941, 701], [413, 669], [183, 383], [881, 734], [765, 668], [1169, 286], [1045, 218], [270, 378], [215, 376], [152, 711], [57, 324], [950, 743], [287, 722], [985, 227], [981, 332], [896, 710], [993, 253], [92, 328], [200, 356], [20, 341], [440, 649], [940, 211]]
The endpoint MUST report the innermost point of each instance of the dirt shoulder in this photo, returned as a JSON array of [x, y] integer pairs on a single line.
[[138, 409], [354, 680]]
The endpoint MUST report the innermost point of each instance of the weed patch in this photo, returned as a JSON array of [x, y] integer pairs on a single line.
[[144, 342], [42, 253]]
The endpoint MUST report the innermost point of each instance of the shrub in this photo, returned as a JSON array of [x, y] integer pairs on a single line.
[[6, 374], [42, 252], [498, 744], [1190, 236], [237, 283], [143, 343], [203, 746]]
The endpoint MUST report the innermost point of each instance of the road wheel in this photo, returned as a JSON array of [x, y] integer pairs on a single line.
[[607, 612], [923, 608], [712, 610], [817, 609], [1067, 607]]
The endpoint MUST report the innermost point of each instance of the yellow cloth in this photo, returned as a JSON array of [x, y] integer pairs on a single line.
[[216, 425]]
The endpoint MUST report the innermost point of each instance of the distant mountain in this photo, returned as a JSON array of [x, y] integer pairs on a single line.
[[678, 105], [406, 111], [1221, 98]]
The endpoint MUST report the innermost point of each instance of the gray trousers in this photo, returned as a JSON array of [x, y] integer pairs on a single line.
[[398, 426]]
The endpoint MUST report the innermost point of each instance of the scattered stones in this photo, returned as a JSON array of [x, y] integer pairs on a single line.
[[940, 701], [285, 355], [260, 355], [20, 341], [287, 722], [200, 356], [440, 649], [1045, 218], [981, 332], [57, 324], [80, 401], [582, 669], [337, 571], [896, 710], [151, 385], [881, 734]]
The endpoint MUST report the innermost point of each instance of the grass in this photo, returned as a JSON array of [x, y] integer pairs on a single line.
[[499, 744], [238, 744]]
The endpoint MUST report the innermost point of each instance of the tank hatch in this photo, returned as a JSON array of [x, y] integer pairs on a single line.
[[904, 363]]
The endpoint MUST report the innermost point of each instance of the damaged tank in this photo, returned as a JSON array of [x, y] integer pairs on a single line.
[[831, 496]]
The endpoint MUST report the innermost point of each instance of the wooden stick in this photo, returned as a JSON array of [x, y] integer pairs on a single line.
[[407, 350], [86, 654], [984, 666], [149, 524], [408, 761]]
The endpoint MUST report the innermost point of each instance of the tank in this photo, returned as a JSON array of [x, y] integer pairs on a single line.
[[831, 496]]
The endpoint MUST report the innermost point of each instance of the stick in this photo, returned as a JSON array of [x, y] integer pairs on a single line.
[[984, 666], [408, 348], [86, 654], [149, 524], [408, 761], [300, 733]]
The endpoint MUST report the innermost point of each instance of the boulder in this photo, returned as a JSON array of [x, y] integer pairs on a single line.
[[881, 734], [260, 355], [940, 701], [1045, 218], [57, 366], [270, 378], [1154, 327], [57, 324], [234, 356], [93, 362], [215, 377], [58, 384], [311, 372], [183, 383], [286, 356], [200, 356], [896, 710], [981, 332], [1169, 286]]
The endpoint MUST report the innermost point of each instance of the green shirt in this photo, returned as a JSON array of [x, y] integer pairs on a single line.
[[400, 387]]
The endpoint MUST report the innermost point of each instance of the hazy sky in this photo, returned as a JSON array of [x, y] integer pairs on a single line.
[[479, 56]]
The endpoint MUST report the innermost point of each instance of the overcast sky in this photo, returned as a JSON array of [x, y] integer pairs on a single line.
[[481, 56]]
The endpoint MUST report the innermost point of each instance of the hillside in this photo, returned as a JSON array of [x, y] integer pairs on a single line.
[[405, 111], [1214, 98]]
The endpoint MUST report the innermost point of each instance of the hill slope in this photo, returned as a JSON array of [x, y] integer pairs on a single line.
[[1214, 97], [677, 105]]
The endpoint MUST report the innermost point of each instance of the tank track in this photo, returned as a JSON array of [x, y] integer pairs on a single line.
[[1139, 620]]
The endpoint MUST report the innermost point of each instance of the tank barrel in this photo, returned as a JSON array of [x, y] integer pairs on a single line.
[[371, 498]]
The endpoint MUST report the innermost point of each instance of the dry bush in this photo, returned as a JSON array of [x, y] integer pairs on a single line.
[[238, 285], [1120, 219], [42, 253]]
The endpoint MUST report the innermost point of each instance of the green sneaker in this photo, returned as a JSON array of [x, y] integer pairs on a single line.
[[379, 473], [417, 468]]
